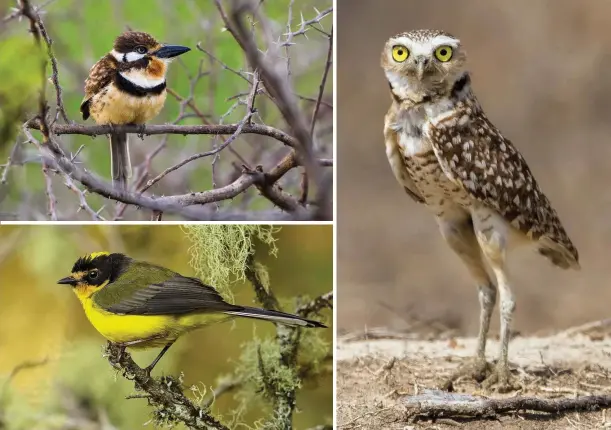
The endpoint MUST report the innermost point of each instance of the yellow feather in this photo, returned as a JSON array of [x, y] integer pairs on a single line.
[[140, 331]]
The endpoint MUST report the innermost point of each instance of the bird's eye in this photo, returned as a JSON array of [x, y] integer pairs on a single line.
[[400, 53], [444, 53], [93, 274], [141, 49]]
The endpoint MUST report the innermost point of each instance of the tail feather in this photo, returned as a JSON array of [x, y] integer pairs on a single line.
[[119, 160], [560, 255], [275, 316]]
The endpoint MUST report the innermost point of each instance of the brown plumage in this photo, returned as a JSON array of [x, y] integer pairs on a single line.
[[127, 86], [447, 155]]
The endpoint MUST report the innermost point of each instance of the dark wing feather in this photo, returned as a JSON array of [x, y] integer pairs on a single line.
[[100, 75], [477, 157], [146, 289]]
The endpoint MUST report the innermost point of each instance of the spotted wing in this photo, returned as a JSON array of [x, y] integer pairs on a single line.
[[474, 155], [100, 75], [395, 158]]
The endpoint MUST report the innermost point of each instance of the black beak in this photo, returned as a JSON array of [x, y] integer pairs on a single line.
[[68, 280], [169, 51]]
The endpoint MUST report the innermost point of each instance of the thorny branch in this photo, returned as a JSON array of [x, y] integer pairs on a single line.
[[55, 161], [165, 394]]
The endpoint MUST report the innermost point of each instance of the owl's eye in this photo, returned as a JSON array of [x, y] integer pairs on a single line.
[[444, 53], [141, 49], [400, 53]]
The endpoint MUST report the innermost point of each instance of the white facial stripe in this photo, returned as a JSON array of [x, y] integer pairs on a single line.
[[425, 48], [130, 56], [139, 78]]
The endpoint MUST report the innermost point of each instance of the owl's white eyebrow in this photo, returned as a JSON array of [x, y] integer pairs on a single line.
[[445, 40]]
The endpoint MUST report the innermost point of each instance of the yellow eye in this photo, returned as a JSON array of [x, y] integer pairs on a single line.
[[444, 53], [400, 53]]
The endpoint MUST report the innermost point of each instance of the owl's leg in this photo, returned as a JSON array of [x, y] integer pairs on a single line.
[[459, 234], [492, 234]]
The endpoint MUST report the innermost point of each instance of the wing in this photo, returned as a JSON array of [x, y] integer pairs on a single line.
[[474, 155], [395, 158], [100, 75], [175, 294]]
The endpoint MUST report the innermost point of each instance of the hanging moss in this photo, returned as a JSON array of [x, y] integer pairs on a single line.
[[219, 253]]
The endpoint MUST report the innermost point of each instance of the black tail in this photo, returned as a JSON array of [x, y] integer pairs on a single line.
[[275, 316], [119, 160]]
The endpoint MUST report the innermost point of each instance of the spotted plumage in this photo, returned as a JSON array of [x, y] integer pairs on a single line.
[[447, 155], [128, 86]]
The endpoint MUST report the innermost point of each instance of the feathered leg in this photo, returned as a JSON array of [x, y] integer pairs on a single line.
[[459, 234]]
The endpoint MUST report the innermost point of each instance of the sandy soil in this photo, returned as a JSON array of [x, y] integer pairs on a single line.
[[376, 376]]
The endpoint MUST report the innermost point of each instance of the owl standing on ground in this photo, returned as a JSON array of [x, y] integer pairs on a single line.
[[447, 155]]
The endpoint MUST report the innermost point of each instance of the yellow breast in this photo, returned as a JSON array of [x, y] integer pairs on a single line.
[[139, 331], [111, 106]]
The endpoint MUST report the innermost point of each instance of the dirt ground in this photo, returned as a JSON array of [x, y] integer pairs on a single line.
[[379, 370]]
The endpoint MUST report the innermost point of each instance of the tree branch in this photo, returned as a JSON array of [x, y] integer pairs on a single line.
[[165, 394], [435, 403]]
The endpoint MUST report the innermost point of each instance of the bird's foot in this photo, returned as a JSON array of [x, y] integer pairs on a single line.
[[501, 380], [477, 370]]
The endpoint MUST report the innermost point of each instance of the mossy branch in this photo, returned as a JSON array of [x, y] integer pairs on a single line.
[[164, 394]]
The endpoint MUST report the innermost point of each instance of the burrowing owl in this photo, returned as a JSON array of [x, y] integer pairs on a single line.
[[448, 155]]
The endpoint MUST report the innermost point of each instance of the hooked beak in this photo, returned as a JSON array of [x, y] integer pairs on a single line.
[[169, 51], [68, 280], [421, 65]]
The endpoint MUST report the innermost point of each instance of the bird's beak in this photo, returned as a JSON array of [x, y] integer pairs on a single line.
[[421, 65], [169, 51], [68, 280]]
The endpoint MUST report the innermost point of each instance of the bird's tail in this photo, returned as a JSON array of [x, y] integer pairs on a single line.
[[119, 160], [275, 317]]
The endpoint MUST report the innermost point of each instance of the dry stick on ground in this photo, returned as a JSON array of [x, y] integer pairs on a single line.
[[164, 394], [437, 403]]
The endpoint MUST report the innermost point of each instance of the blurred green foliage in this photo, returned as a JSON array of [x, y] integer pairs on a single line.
[[39, 319], [84, 30]]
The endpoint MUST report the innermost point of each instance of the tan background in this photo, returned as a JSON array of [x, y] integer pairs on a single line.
[[541, 71]]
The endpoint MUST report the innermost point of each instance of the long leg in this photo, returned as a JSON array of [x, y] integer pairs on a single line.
[[493, 234], [151, 366], [459, 234]]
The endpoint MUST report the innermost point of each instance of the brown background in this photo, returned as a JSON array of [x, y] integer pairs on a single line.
[[541, 70]]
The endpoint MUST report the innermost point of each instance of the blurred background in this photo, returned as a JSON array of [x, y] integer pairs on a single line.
[[41, 321], [83, 31], [540, 70]]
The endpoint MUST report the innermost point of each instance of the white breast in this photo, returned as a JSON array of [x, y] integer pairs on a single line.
[[139, 78]]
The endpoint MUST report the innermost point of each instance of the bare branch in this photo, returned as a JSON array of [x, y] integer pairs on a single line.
[[434, 403]]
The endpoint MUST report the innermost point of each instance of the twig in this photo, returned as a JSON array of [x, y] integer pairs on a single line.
[[224, 387], [323, 82], [316, 305], [164, 394], [148, 130], [435, 403]]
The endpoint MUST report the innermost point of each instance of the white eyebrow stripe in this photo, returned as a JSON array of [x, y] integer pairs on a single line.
[[130, 56]]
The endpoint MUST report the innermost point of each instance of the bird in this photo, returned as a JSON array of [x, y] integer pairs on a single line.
[[449, 156], [128, 86], [141, 305]]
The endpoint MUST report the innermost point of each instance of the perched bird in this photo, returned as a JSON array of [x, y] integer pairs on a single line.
[[128, 86], [447, 155], [141, 305]]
